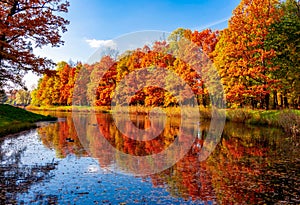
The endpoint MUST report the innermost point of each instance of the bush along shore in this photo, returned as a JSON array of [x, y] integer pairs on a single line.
[[288, 120], [14, 119]]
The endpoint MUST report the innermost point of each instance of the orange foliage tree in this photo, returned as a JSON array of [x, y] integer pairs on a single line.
[[242, 58], [102, 81]]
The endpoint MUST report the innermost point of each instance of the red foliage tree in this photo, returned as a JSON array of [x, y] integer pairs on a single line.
[[25, 24]]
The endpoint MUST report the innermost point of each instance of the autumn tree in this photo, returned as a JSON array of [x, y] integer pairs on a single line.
[[193, 52], [242, 58], [28, 24], [23, 97], [284, 39], [57, 87], [106, 86], [175, 37], [34, 99], [72, 80], [81, 86], [40, 95], [63, 71], [98, 71]]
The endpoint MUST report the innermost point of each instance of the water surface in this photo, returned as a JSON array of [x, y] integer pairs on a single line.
[[57, 163]]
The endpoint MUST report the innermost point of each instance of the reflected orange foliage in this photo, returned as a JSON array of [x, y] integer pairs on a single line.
[[235, 173], [62, 137]]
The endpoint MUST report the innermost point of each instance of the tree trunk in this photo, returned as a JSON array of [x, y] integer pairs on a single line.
[[267, 99], [281, 100], [199, 99], [275, 100], [285, 101], [204, 100], [253, 103], [261, 103]]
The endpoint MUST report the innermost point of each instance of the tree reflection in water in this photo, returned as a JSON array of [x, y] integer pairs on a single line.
[[251, 165]]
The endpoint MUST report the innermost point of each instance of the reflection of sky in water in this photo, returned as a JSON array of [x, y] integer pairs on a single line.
[[35, 152], [80, 180]]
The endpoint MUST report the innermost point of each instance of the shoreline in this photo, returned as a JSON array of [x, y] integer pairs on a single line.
[[14, 120], [287, 119], [15, 129]]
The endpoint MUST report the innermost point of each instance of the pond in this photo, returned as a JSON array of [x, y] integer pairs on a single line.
[[63, 163]]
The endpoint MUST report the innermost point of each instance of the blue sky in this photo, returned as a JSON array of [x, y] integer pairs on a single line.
[[95, 22]]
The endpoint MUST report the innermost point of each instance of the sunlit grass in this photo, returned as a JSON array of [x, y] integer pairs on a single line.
[[70, 108], [14, 119]]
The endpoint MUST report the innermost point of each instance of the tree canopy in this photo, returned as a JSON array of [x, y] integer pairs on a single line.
[[28, 24], [256, 57], [242, 58]]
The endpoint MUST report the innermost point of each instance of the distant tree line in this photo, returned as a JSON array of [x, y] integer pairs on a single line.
[[257, 58], [15, 97]]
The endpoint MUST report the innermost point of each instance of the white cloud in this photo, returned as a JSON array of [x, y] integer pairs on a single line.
[[101, 43]]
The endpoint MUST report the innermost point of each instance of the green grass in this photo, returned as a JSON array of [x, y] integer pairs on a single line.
[[14, 119], [288, 120]]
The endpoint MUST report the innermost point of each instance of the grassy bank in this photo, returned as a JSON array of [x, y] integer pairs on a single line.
[[69, 108], [289, 120], [13, 119]]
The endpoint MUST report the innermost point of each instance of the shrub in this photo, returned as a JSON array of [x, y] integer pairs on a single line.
[[290, 122]]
